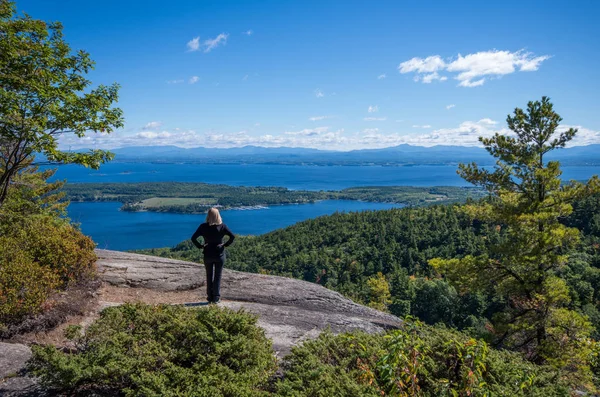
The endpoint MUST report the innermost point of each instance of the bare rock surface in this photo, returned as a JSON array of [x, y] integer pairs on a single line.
[[290, 311], [13, 357], [132, 270]]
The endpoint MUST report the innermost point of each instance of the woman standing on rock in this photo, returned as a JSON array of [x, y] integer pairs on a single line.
[[213, 231]]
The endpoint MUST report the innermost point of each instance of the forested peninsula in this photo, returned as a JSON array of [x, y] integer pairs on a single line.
[[191, 198]]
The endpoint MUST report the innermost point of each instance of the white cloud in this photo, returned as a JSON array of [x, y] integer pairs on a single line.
[[210, 44], [428, 65], [257, 124], [381, 76], [373, 109], [375, 119], [194, 44], [319, 93], [153, 135], [448, 107], [584, 136], [153, 125], [465, 134], [422, 126], [475, 69], [179, 81], [308, 131], [428, 78], [318, 118], [194, 79], [370, 130], [249, 32]]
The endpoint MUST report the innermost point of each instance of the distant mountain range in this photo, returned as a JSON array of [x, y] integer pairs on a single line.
[[396, 155]]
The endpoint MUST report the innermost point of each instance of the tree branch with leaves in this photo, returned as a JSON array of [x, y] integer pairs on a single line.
[[44, 95]]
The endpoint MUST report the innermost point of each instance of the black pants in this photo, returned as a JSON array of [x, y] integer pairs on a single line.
[[214, 268]]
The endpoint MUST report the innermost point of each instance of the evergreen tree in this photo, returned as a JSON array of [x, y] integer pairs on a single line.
[[522, 268]]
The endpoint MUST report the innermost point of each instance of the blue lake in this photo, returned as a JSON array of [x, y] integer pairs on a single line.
[[298, 177], [119, 230]]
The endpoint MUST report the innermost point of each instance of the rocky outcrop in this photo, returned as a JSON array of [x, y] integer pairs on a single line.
[[132, 270], [13, 357], [289, 310]]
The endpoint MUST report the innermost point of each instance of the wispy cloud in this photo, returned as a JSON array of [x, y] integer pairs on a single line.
[[178, 81], [249, 32], [375, 119], [308, 131], [373, 109], [421, 126], [194, 79], [211, 44], [465, 134], [448, 107], [428, 78], [153, 135], [194, 44], [319, 93], [153, 125], [381, 76], [318, 118], [207, 45], [475, 69], [370, 131]]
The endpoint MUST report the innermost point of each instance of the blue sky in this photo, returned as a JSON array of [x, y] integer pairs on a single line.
[[333, 74]]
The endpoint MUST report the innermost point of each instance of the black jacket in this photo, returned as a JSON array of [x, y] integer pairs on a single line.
[[213, 239]]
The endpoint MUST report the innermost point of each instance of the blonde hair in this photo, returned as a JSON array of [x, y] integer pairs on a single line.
[[213, 217]]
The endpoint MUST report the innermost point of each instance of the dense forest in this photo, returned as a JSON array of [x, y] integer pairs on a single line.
[[518, 268], [188, 197], [346, 252]]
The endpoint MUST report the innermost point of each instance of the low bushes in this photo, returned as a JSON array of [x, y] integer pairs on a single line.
[[141, 350], [40, 251], [415, 361], [38, 256], [24, 283]]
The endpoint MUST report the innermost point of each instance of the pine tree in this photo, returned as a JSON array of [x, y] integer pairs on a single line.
[[527, 201]]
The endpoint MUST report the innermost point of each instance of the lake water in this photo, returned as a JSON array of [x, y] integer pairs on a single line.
[[298, 177], [118, 230]]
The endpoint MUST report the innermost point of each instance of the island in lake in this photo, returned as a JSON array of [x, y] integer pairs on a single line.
[[191, 198]]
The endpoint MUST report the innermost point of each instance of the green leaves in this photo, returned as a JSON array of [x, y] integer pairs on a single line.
[[164, 350], [416, 360], [44, 94], [528, 203]]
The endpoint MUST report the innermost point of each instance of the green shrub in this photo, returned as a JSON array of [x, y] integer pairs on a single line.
[[38, 256], [62, 248], [415, 361], [141, 350], [40, 251], [332, 366], [24, 283]]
